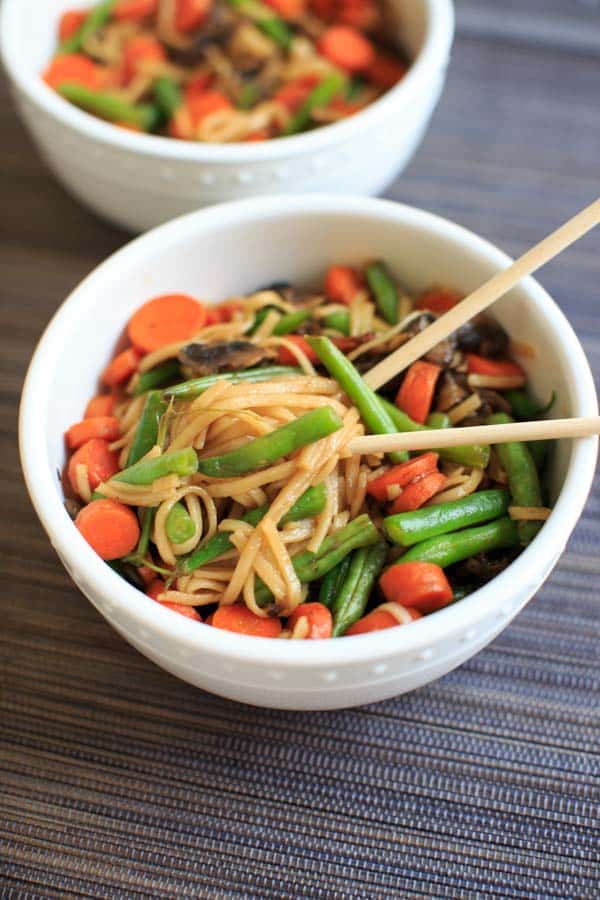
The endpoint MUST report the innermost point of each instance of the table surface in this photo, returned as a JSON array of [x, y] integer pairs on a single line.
[[118, 780]]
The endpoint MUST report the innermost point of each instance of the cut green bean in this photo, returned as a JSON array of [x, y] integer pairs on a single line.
[[95, 19], [148, 515], [539, 452], [269, 448], [310, 504], [333, 581], [174, 462], [412, 527], [180, 526], [274, 27], [146, 435], [355, 87], [524, 407], [523, 479], [158, 377], [438, 420], [372, 410], [384, 291], [168, 96], [289, 323], [189, 390], [312, 566], [477, 455], [338, 321], [249, 95], [109, 106], [320, 96], [353, 596], [448, 549]]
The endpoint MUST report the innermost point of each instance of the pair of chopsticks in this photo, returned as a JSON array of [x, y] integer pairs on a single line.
[[472, 305]]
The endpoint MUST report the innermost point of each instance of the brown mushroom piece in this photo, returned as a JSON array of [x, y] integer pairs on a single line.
[[482, 335], [223, 356], [217, 29], [451, 390], [443, 353]]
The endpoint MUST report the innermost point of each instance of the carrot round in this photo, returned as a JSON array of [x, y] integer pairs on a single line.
[[134, 10], [164, 320], [318, 619], [190, 14], [70, 22], [102, 405], [342, 284], [202, 103], [378, 620], [109, 527], [121, 368], [242, 620], [100, 462], [74, 68], [416, 391], [481, 365], [347, 48], [139, 48], [402, 474], [437, 300], [105, 427], [385, 71], [419, 585], [418, 492], [158, 587]]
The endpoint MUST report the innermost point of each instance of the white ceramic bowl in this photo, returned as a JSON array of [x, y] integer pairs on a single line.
[[139, 181], [232, 249]]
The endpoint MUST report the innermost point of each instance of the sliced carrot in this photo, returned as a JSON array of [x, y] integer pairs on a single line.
[[438, 300], [293, 93], [157, 587], [70, 22], [402, 474], [74, 68], [121, 367], [288, 9], [379, 620], [105, 427], [100, 462], [134, 10], [416, 391], [360, 14], [343, 284], [139, 48], [102, 405], [242, 620], [418, 492], [109, 527], [190, 14], [202, 103], [481, 365], [199, 84], [418, 585], [256, 136], [345, 108], [287, 358], [318, 618], [347, 48], [212, 317], [164, 320], [385, 71]]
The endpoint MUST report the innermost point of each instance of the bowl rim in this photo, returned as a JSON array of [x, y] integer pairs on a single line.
[[539, 557], [433, 58]]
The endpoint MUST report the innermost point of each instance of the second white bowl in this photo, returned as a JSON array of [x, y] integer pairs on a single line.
[[138, 181]]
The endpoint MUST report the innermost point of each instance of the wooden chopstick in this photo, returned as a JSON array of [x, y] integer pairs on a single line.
[[545, 429], [484, 296]]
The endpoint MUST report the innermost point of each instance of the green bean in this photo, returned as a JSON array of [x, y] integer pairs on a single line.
[[524, 407], [146, 435], [312, 566], [430, 521], [96, 495], [180, 526], [437, 420], [167, 95], [288, 324], [148, 515], [320, 96], [263, 17], [310, 504], [249, 95], [539, 452], [353, 596], [356, 86], [384, 291], [452, 548], [189, 390], [108, 106], [92, 23], [523, 479], [158, 377], [339, 321], [372, 410], [269, 448], [174, 462], [477, 455], [333, 581]]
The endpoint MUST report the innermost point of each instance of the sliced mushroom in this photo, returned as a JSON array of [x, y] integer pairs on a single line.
[[224, 356], [492, 402], [482, 335], [451, 391]]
